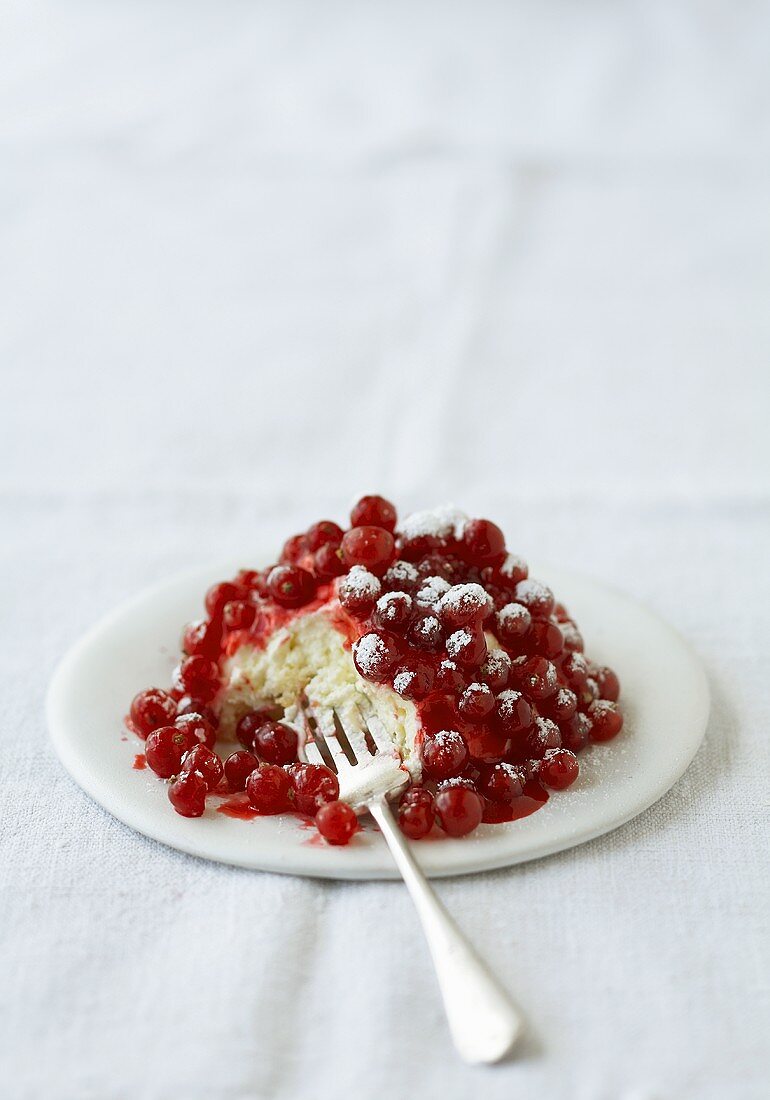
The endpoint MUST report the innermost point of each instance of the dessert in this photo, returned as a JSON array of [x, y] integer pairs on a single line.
[[475, 671]]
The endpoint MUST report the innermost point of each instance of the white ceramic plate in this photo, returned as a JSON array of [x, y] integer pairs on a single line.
[[665, 700]]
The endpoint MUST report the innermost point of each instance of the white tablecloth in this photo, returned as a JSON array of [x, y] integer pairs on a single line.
[[258, 257]]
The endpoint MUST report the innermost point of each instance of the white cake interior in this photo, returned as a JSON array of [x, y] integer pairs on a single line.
[[309, 657]]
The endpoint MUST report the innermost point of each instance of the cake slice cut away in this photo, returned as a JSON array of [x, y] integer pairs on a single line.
[[311, 657]]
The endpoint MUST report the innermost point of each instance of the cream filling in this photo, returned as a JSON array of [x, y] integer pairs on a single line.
[[308, 657]]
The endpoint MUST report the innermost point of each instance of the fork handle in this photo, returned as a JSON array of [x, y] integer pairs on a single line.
[[483, 1020]]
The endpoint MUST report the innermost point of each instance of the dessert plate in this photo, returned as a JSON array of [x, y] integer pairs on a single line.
[[665, 701]]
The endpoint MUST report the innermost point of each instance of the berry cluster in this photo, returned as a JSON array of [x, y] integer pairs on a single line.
[[267, 768], [439, 611]]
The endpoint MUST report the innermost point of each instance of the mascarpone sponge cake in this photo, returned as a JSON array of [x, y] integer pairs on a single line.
[[309, 657]]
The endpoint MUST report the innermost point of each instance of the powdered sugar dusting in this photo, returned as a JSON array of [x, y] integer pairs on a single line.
[[441, 523], [498, 663], [369, 651], [531, 589], [466, 597], [578, 664], [573, 639], [456, 643], [432, 591], [362, 583], [402, 573], [445, 738], [393, 599], [550, 676], [403, 680], [507, 702], [512, 612], [513, 566], [455, 781]]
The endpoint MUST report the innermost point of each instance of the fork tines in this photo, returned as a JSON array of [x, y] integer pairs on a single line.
[[338, 739]]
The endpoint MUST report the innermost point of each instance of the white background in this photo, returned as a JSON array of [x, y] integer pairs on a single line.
[[257, 257]]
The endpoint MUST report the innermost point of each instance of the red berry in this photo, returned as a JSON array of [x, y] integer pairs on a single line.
[[477, 702], [487, 746], [414, 680], [276, 743], [199, 677], [530, 769], [220, 594], [413, 547], [590, 692], [573, 639], [546, 639], [187, 794], [269, 789], [373, 511], [314, 785], [502, 783], [536, 675], [375, 656], [426, 634], [514, 713], [189, 705], [203, 639], [372, 547], [444, 754], [323, 533], [543, 736], [251, 579], [290, 585], [467, 646], [496, 670], [458, 809], [464, 604], [202, 760], [415, 794], [165, 748], [327, 562], [483, 542], [238, 767], [513, 624], [609, 685], [431, 589], [536, 597], [449, 679], [200, 728], [606, 718], [336, 822], [402, 576], [561, 706], [294, 549], [238, 615], [558, 769], [507, 575], [446, 565], [393, 611], [416, 814], [575, 670], [358, 591], [575, 732], [151, 709], [246, 730]]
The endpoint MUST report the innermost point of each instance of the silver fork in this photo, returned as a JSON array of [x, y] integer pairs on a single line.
[[483, 1020]]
